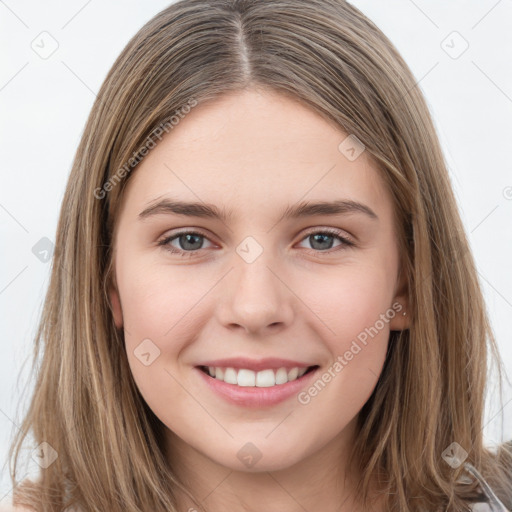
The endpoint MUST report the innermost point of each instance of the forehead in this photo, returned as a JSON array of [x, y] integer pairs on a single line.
[[253, 149]]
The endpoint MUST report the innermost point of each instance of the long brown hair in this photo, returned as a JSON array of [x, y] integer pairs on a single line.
[[431, 392]]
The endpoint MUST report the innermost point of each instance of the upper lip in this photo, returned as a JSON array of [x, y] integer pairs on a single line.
[[272, 363]]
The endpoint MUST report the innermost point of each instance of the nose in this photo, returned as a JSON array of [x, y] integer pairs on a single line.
[[256, 298]]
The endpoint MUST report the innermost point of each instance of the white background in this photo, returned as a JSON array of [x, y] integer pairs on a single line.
[[45, 103]]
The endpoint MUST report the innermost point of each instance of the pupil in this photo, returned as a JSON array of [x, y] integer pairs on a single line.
[[190, 245], [319, 236]]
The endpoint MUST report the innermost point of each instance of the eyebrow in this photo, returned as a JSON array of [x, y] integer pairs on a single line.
[[301, 210]]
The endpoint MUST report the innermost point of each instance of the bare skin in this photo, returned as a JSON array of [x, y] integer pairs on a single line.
[[256, 153]]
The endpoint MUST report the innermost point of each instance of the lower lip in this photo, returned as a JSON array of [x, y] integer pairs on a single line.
[[253, 396]]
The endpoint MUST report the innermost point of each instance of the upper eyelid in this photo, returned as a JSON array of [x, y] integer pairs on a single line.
[[329, 230]]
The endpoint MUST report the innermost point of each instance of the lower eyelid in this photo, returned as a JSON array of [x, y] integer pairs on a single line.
[[165, 242], [345, 241]]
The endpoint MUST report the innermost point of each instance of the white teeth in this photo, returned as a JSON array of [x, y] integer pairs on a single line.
[[282, 376], [261, 379], [229, 376], [302, 371], [265, 379], [293, 373], [246, 378]]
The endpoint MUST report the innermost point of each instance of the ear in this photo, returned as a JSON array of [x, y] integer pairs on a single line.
[[400, 306], [115, 302]]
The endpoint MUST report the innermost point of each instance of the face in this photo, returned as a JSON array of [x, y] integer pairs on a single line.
[[268, 290]]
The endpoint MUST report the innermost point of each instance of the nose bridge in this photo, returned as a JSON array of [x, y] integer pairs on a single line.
[[257, 297]]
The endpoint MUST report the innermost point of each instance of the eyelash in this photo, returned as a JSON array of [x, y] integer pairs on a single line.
[[346, 243]]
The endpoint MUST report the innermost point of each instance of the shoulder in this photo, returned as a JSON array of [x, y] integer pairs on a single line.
[[7, 505]]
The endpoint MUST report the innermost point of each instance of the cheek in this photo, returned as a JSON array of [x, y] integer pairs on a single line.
[[353, 314], [156, 301], [151, 307], [155, 316], [349, 301]]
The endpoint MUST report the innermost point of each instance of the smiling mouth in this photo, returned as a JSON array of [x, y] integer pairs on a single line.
[[243, 377]]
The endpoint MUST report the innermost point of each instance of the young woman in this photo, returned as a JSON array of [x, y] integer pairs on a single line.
[[262, 296]]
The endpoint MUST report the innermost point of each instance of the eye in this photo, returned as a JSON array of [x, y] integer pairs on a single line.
[[188, 242], [321, 241]]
